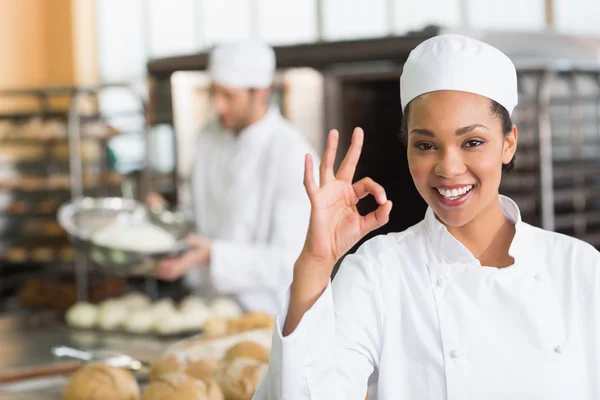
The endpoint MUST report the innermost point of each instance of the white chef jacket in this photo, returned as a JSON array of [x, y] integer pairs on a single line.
[[416, 316], [249, 197]]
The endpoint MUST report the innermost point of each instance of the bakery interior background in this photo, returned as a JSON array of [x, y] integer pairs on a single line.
[[104, 98]]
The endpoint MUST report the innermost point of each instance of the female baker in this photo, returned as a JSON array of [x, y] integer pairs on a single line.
[[470, 303]]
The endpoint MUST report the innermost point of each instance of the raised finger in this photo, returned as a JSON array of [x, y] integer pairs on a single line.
[[309, 175], [376, 219], [326, 170], [348, 166], [367, 186]]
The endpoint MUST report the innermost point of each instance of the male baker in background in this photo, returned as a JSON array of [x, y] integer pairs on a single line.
[[251, 209]]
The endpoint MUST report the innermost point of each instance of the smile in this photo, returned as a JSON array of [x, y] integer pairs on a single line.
[[456, 193]]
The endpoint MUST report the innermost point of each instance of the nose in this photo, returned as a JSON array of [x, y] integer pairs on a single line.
[[449, 164]]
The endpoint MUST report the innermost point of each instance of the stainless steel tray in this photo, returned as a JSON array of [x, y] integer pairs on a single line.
[[82, 217]]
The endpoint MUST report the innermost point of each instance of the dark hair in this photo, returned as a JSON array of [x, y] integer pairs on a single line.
[[496, 109]]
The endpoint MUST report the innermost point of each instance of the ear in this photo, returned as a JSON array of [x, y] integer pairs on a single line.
[[510, 145], [264, 94]]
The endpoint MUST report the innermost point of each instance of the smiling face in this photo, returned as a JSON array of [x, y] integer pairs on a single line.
[[456, 149]]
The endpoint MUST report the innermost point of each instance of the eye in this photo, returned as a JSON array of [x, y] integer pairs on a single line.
[[424, 146], [473, 143]]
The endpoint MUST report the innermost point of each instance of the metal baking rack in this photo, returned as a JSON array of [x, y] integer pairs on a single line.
[[57, 165], [556, 180]]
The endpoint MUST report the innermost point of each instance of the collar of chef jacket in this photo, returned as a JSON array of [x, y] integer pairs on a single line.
[[454, 252]]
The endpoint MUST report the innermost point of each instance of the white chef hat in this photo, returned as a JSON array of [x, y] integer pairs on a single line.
[[455, 62], [248, 65]]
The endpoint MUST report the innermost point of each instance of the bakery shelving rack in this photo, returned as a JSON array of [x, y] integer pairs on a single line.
[[54, 147], [556, 181]]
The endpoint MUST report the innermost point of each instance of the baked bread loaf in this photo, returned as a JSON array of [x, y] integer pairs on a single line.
[[166, 366], [240, 378], [247, 349], [214, 327], [178, 386], [199, 369], [250, 321], [97, 381]]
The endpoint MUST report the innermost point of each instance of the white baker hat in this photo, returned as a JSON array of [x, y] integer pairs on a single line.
[[248, 65], [455, 62]]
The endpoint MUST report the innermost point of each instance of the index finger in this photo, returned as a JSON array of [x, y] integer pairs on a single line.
[[326, 169], [348, 166]]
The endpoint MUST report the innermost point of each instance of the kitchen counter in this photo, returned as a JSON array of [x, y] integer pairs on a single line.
[[26, 342]]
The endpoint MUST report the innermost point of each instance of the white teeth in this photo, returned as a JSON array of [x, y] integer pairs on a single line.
[[454, 193]]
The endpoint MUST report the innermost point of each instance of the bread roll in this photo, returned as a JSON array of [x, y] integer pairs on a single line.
[[169, 323], [247, 349], [198, 369], [201, 369], [140, 321], [16, 254], [195, 315], [251, 321], [225, 308], [178, 386], [42, 254], [82, 315], [135, 301], [165, 366], [213, 389], [240, 378], [214, 327], [163, 307], [192, 302], [111, 315], [98, 381]]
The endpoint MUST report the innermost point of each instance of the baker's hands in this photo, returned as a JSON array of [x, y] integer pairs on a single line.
[[198, 256], [335, 223], [155, 200]]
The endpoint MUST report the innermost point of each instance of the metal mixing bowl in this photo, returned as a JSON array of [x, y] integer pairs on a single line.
[[82, 217]]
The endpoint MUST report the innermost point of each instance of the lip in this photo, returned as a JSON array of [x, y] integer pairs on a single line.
[[452, 203]]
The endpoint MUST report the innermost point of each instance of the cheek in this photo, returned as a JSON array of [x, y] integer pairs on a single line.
[[420, 168], [486, 166], [240, 107]]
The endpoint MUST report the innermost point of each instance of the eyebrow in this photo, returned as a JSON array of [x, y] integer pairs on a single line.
[[459, 131]]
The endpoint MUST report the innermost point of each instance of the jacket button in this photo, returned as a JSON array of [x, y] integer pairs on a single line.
[[442, 283], [455, 353], [558, 349]]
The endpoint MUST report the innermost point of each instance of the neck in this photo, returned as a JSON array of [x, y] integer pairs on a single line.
[[488, 237], [254, 116]]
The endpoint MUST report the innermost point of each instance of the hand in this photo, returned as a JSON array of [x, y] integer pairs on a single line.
[[335, 223], [198, 255], [154, 200]]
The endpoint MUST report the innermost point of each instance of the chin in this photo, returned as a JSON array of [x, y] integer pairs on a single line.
[[453, 218], [224, 124]]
